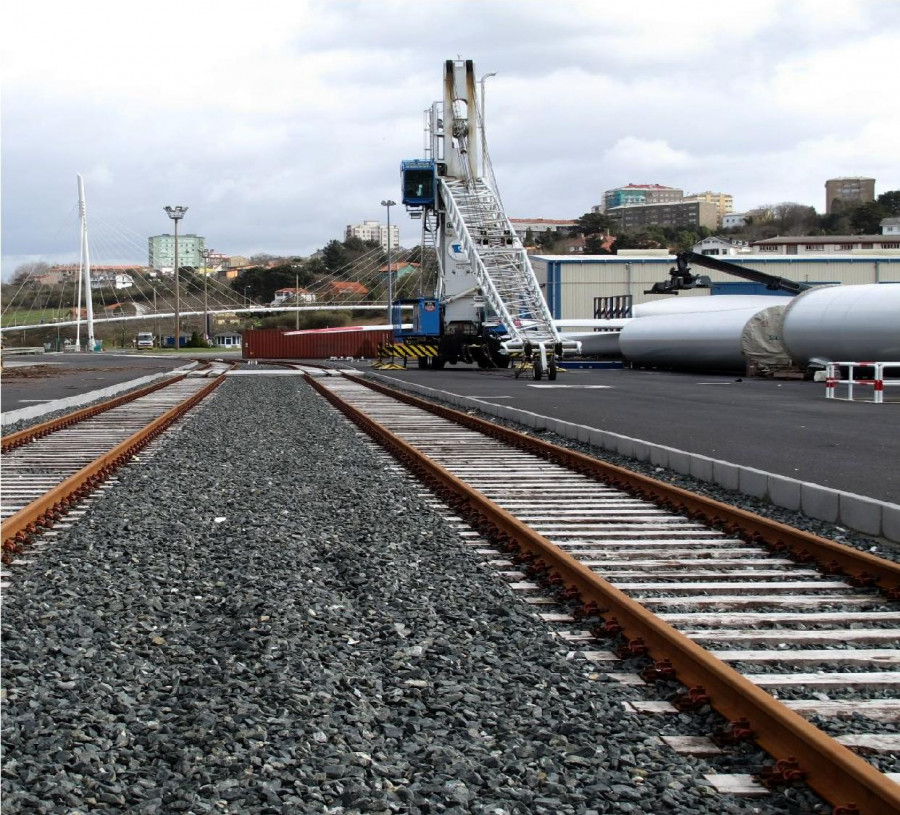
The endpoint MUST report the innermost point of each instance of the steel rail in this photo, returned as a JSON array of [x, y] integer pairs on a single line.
[[29, 434], [862, 568], [18, 528], [832, 770]]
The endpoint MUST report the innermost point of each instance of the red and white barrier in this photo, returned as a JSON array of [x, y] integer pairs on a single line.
[[878, 381]]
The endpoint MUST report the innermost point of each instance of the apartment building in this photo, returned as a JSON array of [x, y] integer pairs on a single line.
[[848, 192], [638, 195], [162, 251], [686, 214], [723, 201], [374, 231]]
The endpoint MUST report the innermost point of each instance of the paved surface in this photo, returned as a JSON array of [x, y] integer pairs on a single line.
[[36, 380], [787, 428]]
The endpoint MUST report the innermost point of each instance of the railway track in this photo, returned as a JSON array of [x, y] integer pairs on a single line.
[[773, 627], [49, 468]]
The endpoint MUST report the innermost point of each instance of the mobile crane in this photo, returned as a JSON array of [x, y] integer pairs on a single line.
[[487, 306]]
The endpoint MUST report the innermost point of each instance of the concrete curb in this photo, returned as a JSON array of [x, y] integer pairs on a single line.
[[856, 512], [32, 412]]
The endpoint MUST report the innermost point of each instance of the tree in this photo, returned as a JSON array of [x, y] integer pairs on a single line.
[[794, 219], [261, 284], [24, 271], [890, 202], [334, 255], [635, 240], [594, 245], [866, 218], [593, 223], [197, 341]]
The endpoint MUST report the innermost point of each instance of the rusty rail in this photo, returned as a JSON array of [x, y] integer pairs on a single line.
[[832, 770], [18, 528], [14, 440], [835, 558]]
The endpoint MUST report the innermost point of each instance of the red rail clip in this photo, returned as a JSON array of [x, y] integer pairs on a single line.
[[784, 771], [695, 698], [611, 628], [659, 670], [863, 580], [589, 609], [733, 733], [633, 648], [832, 568]]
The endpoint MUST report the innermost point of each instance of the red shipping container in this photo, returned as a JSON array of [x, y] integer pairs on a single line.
[[275, 343]]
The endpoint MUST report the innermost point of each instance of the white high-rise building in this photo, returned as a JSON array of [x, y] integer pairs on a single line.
[[374, 231], [162, 251]]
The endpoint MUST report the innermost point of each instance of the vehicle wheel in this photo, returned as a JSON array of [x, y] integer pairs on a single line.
[[423, 362], [537, 370], [551, 370], [438, 363]]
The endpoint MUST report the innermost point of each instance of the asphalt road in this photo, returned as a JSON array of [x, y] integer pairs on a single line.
[[785, 427]]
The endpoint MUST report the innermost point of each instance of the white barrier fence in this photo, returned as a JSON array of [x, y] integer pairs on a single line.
[[874, 378]]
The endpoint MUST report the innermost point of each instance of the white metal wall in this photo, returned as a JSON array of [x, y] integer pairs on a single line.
[[582, 278]]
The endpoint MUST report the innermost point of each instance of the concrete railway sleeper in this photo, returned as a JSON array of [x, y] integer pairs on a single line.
[[50, 468], [661, 573]]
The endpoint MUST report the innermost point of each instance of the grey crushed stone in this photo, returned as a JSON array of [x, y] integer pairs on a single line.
[[260, 619]]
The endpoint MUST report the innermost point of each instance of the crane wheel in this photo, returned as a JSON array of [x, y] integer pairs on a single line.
[[536, 369], [424, 362], [551, 370]]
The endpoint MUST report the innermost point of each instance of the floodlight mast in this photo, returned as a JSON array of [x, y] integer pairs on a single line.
[[176, 214]]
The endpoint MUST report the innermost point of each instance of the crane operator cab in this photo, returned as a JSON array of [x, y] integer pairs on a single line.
[[418, 182]]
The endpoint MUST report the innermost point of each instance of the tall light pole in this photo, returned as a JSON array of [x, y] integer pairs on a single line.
[[155, 313], [206, 253], [176, 214], [483, 140], [390, 275]]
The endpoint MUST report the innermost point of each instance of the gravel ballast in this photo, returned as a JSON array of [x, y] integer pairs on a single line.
[[260, 619]]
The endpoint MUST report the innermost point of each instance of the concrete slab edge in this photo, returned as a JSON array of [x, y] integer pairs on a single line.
[[856, 512], [32, 412]]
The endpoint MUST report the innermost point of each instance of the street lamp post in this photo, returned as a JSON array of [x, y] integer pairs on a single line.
[[390, 275], [206, 253], [155, 311], [176, 214], [483, 140]]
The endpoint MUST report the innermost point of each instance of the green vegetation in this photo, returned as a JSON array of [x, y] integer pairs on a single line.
[[34, 316]]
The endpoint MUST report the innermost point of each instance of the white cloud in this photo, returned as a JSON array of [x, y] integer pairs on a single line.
[[281, 123]]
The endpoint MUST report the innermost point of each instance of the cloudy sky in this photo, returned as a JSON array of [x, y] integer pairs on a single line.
[[280, 122]]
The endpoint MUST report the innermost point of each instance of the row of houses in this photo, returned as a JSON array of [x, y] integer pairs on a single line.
[[803, 245], [339, 290]]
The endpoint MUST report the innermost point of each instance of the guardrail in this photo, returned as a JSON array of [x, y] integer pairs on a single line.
[[877, 381], [12, 352]]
